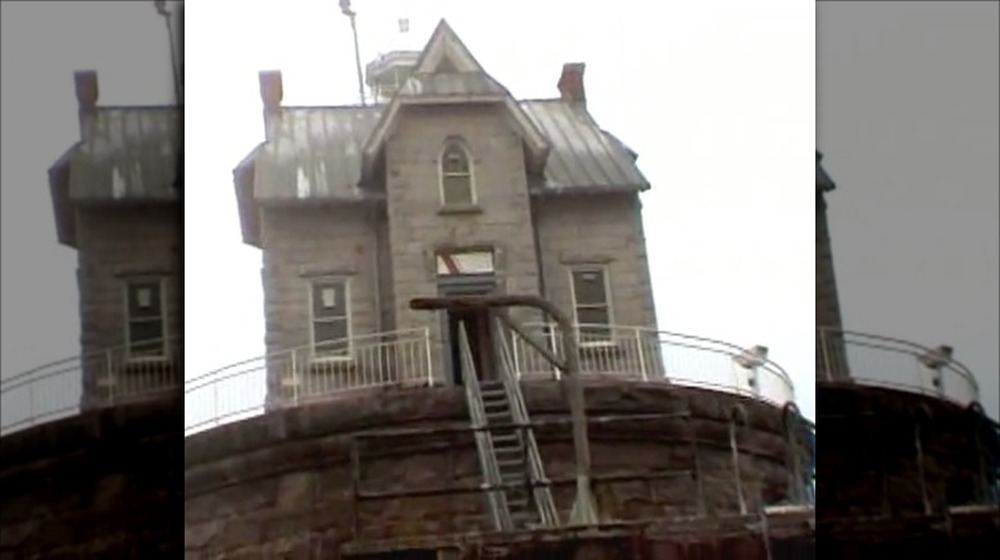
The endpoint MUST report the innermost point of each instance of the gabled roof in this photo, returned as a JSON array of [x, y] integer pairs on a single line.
[[446, 72], [319, 153]]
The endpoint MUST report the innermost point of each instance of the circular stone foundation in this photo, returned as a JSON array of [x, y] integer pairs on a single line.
[[391, 464], [104, 484], [903, 472]]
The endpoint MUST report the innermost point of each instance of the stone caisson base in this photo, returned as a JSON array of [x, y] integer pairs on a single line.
[[104, 484], [395, 464]]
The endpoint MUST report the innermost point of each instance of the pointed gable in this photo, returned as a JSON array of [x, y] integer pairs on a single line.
[[447, 73]]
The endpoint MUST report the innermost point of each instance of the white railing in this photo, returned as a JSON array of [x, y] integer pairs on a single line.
[[306, 374], [875, 360], [660, 356], [94, 380], [303, 375]]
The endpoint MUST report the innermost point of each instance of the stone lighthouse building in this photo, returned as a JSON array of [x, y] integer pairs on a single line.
[[98, 476], [442, 270]]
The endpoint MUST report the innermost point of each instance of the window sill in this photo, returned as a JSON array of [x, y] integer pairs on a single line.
[[459, 209]]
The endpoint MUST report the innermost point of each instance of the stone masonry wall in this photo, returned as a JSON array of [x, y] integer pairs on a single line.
[[105, 484], [869, 453], [597, 229], [113, 245], [417, 228], [285, 483], [306, 243]]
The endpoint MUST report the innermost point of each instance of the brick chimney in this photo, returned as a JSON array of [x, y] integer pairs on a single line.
[[571, 83], [85, 82], [271, 90], [86, 89]]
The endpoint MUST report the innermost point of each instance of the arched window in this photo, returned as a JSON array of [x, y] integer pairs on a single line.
[[456, 175]]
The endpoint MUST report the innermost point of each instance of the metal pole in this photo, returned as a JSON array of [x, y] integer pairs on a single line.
[[161, 9], [345, 8]]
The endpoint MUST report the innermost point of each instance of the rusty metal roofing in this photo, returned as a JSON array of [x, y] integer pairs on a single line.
[[823, 181], [127, 153], [582, 155], [315, 152]]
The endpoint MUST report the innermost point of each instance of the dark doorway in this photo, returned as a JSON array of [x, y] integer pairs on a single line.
[[477, 331], [477, 325]]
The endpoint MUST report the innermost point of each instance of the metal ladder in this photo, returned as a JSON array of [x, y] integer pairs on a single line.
[[514, 479]]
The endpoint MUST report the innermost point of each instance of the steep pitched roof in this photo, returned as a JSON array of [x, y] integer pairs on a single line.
[[446, 72]]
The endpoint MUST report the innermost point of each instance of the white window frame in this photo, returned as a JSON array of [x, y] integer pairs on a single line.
[[165, 344], [463, 147], [605, 273], [348, 316]]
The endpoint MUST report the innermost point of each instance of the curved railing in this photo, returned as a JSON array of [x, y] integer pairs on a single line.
[[93, 380], [652, 355], [875, 360], [412, 357]]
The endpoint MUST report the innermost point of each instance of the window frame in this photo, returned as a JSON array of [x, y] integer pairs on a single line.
[[161, 282], [605, 273], [459, 144], [344, 284]]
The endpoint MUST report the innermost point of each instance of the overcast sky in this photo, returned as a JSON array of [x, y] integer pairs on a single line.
[[908, 122], [716, 97], [43, 44]]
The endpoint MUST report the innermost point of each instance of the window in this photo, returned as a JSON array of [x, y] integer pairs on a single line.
[[145, 319], [456, 176], [330, 319], [590, 304]]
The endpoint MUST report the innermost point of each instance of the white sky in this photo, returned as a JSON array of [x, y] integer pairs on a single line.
[[718, 99]]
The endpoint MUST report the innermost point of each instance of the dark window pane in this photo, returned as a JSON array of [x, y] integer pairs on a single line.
[[588, 286], [144, 299], [146, 337], [329, 300], [457, 190], [454, 161], [330, 337], [592, 316]]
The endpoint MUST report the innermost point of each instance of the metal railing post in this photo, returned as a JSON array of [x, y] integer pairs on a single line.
[[430, 360], [553, 342], [642, 360], [295, 379], [110, 376]]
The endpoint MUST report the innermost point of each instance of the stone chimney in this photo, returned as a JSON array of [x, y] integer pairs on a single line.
[[571, 83], [86, 89]]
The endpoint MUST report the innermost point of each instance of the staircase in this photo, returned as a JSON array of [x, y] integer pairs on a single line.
[[514, 481]]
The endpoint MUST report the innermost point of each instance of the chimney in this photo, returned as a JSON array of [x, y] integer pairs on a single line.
[[571, 83], [270, 89], [86, 89]]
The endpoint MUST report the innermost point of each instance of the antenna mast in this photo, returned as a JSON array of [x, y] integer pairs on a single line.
[[161, 8], [345, 8]]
